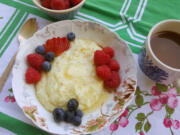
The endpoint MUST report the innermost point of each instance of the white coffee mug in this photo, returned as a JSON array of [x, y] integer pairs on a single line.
[[150, 64]]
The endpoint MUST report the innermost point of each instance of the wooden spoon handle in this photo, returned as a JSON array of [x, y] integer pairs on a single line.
[[7, 71]]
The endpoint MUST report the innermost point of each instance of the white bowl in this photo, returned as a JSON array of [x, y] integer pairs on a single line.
[[97, 120], [60, 14]]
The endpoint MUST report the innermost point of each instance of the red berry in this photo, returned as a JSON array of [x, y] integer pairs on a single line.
[[67, 4], [35, 60], [64, 44], [109, 51], [114, 82], [61, 45], [32, 75], [75, 2], [101, 58], [114, 65], [46, 3], [57, 45], [103, 72], [49, 45], [58, 4]]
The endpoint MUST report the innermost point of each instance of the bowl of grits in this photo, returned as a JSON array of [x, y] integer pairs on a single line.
[[73, 75]]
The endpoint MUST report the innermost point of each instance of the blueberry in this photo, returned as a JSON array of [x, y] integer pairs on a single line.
[[77, 121], [72, 105], [40, 50], [71, 36], [46, 66], [49, 56], [58, 114], [69, 116], [79, 113]]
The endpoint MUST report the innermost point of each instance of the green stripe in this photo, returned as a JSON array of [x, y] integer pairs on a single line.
[[21, 128], [8, 21], [107, 15], [133, 8], [28, 2], [135, 49], [11, 28], [25, 8], [134, 34], [86, 18], [123, 34], [88, 8], [14, 35], [141, 8]]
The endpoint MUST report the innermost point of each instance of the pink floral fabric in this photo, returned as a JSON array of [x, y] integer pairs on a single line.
[[162, 98], [10, 97]]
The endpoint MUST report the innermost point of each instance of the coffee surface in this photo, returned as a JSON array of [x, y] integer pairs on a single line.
[[166, 46]]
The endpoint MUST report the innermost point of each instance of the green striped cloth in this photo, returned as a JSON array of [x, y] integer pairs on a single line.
[[130, 19]]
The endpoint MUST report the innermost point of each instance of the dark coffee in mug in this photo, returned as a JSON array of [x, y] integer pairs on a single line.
[[166, 47]]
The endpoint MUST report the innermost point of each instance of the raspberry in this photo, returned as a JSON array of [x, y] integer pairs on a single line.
[[67, 4], [58, 4], [35, 60], [114, 81], [57, 45], [32, 75], [103, 72], [101, 58], [75, 2], [109, 51], [114, 65], [46, 3]]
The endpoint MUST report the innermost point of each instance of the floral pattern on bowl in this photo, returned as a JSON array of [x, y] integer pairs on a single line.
[[92, 122]]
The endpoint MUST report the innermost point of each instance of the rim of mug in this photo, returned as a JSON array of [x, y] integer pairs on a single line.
[[149, 45]]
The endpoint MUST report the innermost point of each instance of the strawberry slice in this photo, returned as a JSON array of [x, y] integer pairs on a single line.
[[53, 40], [57, 45], [49, 45], [65, 44], [62, 44]]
